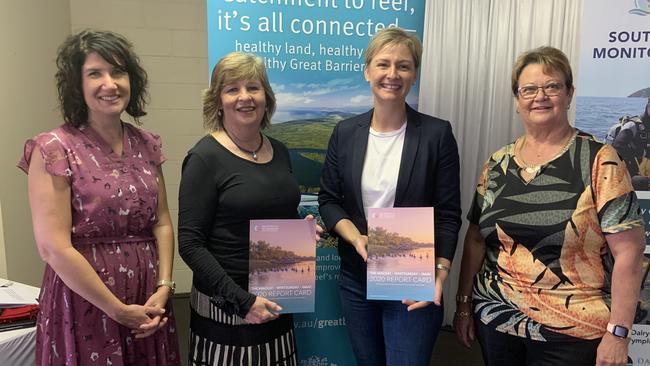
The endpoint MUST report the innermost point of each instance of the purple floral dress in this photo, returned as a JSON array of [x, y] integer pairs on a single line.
[[114, 202]]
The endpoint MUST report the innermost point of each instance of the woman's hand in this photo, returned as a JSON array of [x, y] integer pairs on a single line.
[[158, 299], [627, 249], [133, 316], [319, 229], [349, 232], [464, 324], [443, 265], [360, 243], [612, 351], [473, 255], [262, 311], [441, 276], [414, 305]]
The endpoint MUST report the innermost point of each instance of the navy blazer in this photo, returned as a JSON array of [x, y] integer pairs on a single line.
[[428, 176]]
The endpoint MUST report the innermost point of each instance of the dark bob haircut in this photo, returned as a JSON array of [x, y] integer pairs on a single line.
[[113, 48]]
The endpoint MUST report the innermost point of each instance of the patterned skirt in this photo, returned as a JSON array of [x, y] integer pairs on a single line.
[[218, 339]]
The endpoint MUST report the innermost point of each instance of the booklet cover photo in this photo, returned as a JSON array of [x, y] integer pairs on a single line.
[[401, 261], [282, 263]]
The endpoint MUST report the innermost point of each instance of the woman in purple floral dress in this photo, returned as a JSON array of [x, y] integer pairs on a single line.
[[100, 216]]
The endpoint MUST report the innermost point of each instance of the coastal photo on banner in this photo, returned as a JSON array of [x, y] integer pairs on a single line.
[[613, 103], [314, 54]]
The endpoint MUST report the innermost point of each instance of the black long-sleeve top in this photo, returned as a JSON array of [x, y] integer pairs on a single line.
[[219, 194]]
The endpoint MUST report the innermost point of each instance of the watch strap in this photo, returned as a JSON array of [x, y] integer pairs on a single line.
[[618, 330]]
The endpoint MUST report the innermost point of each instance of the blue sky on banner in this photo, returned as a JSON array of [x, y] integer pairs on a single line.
[[313, 49]]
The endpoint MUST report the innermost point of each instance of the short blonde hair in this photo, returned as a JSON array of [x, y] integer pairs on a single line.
[[552, 61], [394, 36], [233, 67]]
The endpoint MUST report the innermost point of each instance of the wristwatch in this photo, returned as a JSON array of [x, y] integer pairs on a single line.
[[618, 330], [168, 283]]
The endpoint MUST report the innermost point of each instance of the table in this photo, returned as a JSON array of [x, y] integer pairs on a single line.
[[17, 347]]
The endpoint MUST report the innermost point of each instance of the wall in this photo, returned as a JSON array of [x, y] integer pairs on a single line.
[[30, 32], [3, 256], [170, 38]]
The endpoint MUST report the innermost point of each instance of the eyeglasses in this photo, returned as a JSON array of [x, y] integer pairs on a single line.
[[530, 91]]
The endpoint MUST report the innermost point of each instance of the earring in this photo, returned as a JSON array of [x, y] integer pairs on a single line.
[[568, 106], [220, 113]]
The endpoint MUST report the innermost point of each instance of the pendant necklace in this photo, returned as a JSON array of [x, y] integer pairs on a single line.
[[252, 152], [534, 169]]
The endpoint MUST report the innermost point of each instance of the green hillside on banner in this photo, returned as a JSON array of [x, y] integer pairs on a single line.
[[307, 143]]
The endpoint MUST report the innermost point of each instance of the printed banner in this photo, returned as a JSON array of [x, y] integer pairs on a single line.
[[401, 257], [613, 103], [282, 263], [314, 54], [327, 322], [322, 336]]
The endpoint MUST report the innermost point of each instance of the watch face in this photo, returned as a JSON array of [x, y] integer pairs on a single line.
[[620, 331]]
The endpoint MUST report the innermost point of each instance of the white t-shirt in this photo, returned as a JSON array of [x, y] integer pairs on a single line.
[[381, 168]]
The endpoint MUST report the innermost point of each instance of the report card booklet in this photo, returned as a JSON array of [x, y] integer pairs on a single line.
[[282, 264], [401, 261]]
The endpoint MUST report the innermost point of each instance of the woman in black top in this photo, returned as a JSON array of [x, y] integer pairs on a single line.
[[232, 175]]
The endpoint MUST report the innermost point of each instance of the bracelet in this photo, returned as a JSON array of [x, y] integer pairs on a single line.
[[168, 283], [462, 315], [463, 299], [442, 267]]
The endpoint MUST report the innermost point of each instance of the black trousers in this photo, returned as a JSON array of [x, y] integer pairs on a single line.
[[501, 349]]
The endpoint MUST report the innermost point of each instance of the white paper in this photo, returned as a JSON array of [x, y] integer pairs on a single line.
[[14, 294]]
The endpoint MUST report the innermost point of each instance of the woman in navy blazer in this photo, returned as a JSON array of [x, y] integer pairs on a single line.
[[391, 156]]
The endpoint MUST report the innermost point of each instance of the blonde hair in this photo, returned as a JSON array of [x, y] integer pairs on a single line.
[[394, 36], [233, 67], [552, 61]]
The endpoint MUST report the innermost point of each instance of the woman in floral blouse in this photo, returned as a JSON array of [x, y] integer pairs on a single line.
[[551, 266]]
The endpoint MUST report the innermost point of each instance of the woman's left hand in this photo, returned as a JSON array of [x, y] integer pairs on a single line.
[[319, 230], [414, 305], [437, 296], [612, 351], [627, 249], [441, 276], [158, 299]]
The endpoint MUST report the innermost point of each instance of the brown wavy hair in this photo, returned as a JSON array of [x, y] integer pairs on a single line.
[[116, 50]]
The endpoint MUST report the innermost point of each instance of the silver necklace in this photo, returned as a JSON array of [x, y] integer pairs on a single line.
[[252, 152], [534, 169]]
